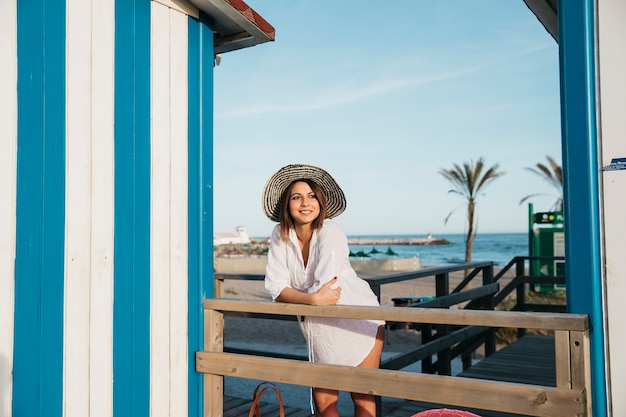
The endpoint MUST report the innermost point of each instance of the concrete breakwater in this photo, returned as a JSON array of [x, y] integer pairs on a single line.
[[398, 241], [237, 258]]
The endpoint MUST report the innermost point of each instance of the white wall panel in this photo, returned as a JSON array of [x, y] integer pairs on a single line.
[[102, 208], [178, 213], [78, 209], [89, 209], [612, 71], [169, 213], [8, 179]]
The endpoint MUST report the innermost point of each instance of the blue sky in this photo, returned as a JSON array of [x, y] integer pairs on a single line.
[[383, 96]]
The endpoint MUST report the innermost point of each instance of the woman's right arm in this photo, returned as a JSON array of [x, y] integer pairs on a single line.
[[325, 296]]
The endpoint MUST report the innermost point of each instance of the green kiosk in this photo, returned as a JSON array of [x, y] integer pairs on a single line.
[[546, 238]]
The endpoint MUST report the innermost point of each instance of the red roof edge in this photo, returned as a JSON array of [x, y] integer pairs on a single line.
[[253, 17]]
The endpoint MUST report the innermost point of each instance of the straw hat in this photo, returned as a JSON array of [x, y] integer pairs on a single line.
[[283, 178]]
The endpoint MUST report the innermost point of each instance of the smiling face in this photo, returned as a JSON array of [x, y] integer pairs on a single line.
[[303, 202], [304, 206]]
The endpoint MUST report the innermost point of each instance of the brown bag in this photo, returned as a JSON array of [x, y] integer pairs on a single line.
[[258, 392]]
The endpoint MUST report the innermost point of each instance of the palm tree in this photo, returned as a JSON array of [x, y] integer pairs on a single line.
[[469, 181], [553, 174]]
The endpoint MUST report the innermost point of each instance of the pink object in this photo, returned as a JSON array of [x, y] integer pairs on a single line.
[[445, 412]]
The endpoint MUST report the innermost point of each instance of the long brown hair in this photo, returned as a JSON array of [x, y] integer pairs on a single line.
[[286, 220]]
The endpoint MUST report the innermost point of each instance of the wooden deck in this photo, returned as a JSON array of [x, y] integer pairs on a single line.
[[529, 360]]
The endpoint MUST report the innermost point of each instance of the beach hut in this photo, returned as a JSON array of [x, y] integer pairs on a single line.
[[105, 208], [105, 195]]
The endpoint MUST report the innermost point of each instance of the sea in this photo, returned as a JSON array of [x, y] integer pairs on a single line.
[[499, 248]]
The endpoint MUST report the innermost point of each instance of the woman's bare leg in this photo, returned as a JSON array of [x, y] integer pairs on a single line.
[[325, 402], [365, 404]]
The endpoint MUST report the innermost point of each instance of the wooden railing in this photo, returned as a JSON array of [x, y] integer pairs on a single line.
[[440, 339], [569, 398], [478, 290], [522, 282]]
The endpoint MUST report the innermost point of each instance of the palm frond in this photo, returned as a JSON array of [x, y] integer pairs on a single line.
[[552, 173], [469, 179]]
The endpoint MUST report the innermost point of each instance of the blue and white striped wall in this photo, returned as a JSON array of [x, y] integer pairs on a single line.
[[105, 206]]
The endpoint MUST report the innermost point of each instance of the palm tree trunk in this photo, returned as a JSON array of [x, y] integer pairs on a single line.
[[469, 240]]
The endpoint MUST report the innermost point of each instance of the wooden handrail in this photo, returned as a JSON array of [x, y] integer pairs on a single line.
[[568, 398], [513, 319]]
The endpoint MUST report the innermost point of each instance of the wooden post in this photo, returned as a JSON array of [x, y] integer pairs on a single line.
[[444, 357], [218, 287], [579, 354], [490, 336], [521, 289], [563, 359], [213, 384], [573, 367]]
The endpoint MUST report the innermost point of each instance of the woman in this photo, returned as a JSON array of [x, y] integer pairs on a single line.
[[308, 263]]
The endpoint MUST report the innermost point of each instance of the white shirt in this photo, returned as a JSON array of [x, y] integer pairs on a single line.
[[331, 340]]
